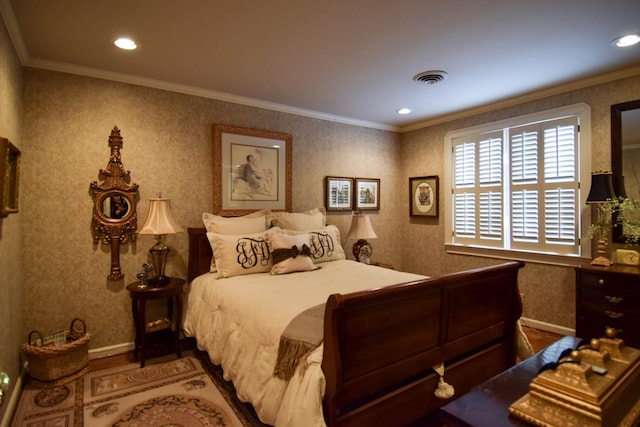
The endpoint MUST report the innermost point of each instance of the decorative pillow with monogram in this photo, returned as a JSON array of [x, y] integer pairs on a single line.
[[325, 243], [236, 255], [254, 222]]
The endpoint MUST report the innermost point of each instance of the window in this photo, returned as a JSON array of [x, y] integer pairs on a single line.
[[515, 185]]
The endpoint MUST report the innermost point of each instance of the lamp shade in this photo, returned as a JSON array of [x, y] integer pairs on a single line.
[[159, 218], [361, 228], [601, 187]]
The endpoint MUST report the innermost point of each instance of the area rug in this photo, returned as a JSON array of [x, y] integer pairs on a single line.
[[172, 393]]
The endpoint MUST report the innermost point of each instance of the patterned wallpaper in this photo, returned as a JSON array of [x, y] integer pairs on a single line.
[[11, 297], [548, 292], [168, 149]]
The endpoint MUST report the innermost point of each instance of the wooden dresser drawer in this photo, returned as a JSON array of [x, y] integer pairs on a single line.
[[608, 298], [627, 282]]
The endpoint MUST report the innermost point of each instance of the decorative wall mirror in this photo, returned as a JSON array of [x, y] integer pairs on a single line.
[[625, 155], [114, 206]]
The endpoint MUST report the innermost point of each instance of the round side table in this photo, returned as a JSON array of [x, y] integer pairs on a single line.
[[172, 291]]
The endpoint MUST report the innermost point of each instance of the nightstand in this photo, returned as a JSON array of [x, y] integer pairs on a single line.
[[608, 297], [157, 332]]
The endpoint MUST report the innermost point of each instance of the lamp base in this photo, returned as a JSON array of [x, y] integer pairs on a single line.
[[601, 261], [362, 251], [157, 282], [159, 253]]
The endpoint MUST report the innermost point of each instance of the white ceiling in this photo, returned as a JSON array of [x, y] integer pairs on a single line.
[[346, 60]]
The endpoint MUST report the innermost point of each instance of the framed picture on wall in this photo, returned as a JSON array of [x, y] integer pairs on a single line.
[[338, 193], [423, 196], [367, 194], [9, 177], [251, 170]]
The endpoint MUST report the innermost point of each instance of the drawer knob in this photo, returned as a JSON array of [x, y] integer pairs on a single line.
[[601, 281], [614, 300], [614, 314]]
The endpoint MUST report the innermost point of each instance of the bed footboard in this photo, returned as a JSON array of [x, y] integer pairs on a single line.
[[380, 345]]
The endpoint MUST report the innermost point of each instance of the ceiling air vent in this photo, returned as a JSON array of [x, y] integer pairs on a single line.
[[430, 77]]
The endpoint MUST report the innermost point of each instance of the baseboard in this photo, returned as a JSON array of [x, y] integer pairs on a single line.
[[12, 404], [549, 327], [112, 350]]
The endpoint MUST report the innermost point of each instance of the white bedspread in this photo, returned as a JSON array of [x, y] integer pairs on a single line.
[[238, 322]]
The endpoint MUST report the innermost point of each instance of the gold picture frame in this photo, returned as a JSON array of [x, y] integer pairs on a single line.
[[9, 177], [423, 196], [251, 170]]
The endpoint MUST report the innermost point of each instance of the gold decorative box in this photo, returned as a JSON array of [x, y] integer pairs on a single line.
[[597, 384]]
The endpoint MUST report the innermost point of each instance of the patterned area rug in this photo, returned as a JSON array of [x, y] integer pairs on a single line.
[[174, 393]]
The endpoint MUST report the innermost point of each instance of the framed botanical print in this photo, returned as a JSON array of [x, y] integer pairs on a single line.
[[251, 170], [367, 195], [423, 196], [338, 193]]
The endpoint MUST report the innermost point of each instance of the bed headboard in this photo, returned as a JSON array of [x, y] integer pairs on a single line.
[[200, 252]]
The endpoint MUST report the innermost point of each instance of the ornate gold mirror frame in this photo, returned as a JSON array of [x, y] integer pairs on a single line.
[[114, 206]]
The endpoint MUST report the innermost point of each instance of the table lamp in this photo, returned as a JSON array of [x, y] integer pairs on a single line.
[[159, 222], [601, 194], [361, 230]]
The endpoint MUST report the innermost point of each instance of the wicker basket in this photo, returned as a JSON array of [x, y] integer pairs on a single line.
[[59, 364]]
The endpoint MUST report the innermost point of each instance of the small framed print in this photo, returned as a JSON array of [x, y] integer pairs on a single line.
[[367, 197], [338, 193], [9, 177], [423, 196]]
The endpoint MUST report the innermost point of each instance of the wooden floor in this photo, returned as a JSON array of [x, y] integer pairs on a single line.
[[540, 339]]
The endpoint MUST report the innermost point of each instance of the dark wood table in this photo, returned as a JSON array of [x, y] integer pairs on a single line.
[[488, 404], [172, 292]]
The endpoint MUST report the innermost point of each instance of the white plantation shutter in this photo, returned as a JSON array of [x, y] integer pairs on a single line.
[[465, 178], [530, 173], [561, 184], [478, 202], [490, 174]]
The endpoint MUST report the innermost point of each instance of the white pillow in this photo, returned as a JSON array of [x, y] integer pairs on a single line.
[[304, 221], [325, 244], [254, 222], [251, 223], [236, 255], [290, 253]]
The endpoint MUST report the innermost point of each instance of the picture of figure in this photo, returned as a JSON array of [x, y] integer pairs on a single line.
[[250, 174], [254, 178]]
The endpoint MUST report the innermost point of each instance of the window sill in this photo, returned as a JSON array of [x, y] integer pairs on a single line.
[[539, 258]]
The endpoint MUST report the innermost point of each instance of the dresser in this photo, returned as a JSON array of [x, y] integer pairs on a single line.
[[608, 297]]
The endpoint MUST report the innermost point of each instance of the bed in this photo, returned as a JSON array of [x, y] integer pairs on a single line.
[[389, 341]]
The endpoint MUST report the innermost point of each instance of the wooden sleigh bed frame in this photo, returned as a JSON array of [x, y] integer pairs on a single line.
[[380, 346]]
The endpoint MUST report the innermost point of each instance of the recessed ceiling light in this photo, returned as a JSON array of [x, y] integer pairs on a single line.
[[125, 43], [403, 110], [628, 40]]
